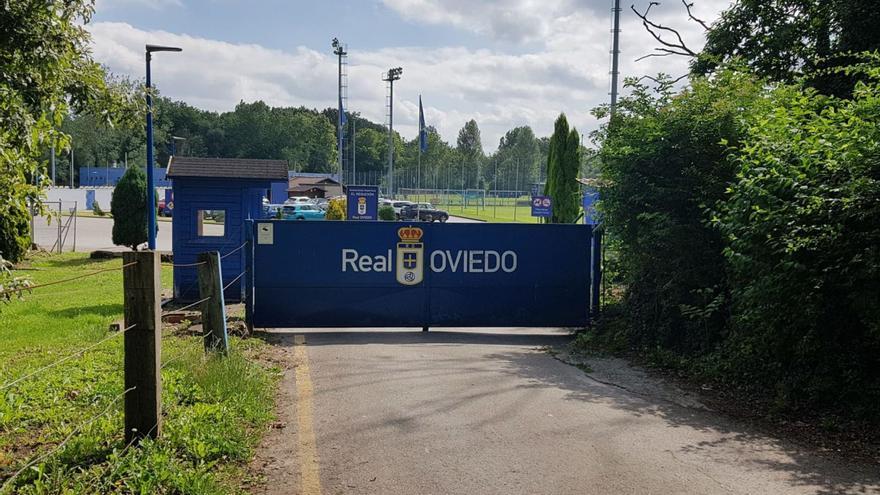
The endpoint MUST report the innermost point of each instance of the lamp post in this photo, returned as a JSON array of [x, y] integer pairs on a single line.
[[391, 76], [151, 194]]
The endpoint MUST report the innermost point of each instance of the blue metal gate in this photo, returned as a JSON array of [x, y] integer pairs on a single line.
[[381, 274]]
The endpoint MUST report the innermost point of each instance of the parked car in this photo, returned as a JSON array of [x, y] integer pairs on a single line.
[[425, 211], [398, 205], [322, 203], [271, 211], [302, 212], [298, 200]]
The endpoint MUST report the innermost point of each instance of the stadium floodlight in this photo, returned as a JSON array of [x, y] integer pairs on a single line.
[[392, 75]]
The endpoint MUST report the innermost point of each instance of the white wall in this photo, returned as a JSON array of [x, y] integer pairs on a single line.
[[102, 195]]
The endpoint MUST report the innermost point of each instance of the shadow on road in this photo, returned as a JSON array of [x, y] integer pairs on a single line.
[[512, 336], [732, 442], [749, 447]]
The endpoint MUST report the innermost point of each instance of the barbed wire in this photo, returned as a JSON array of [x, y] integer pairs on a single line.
[[66, 358], [199, 263], [185, 265], [236, 279], [66, 439], [245, 243], [178, 310], [56, 282]]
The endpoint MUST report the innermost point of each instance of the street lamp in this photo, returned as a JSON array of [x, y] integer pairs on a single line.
[[389, 77], [151, 199]]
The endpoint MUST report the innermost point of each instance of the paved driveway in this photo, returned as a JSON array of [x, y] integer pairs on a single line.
[[473, 412]]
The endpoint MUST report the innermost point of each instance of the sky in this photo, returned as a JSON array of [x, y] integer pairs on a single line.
[[503, 63]]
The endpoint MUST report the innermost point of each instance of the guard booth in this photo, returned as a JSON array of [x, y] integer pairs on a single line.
[[213, 197], [398, 274]]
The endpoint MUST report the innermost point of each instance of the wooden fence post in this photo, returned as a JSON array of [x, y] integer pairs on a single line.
[[214, 309], [143, 345]]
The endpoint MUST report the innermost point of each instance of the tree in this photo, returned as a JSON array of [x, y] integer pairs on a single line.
[[47, 71], [563, 163], [128, 205], [517, 159], [470, 149], [785, 39]]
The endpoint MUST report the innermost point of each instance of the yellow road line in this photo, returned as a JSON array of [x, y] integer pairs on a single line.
[[308, 448]]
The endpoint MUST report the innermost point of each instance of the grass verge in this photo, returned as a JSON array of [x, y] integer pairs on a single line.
[[214, 409]]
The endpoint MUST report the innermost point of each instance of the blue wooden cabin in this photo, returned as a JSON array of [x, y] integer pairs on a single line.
[[212, 199]]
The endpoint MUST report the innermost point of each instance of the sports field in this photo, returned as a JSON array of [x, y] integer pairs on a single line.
[[479, 207]]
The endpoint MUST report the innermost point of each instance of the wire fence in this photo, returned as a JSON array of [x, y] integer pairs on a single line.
[[109, 408], [54, 228]]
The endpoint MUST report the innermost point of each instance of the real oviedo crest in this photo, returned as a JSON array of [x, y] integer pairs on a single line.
[[410, 256]]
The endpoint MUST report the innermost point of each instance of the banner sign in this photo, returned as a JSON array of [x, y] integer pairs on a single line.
[[386, 274], [363, 203], [542, 206]]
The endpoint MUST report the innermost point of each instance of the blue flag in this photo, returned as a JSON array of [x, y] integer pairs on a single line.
[[423, 132]]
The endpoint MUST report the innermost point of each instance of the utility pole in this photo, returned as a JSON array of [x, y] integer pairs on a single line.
[[389, 77], [339, 50], [53, 165], [615, 54]]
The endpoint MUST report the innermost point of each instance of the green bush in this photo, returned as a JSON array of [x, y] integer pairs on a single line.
[[128, 207], [15, 236], [664, 163], [336, 209], [804, 248], [745, 221], [386, 213], [96, 209]]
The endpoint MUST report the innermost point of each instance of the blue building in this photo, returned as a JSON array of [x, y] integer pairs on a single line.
[[212, 199]]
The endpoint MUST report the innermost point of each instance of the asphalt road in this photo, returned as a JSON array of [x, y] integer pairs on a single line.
[[97, 233], [465, 412]]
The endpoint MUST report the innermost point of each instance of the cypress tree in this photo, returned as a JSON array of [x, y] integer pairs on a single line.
[[556, 167], [128, 206], [567, 187]]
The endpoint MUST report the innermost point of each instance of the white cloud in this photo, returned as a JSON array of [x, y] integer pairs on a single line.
[[566, 71], [104, 5]]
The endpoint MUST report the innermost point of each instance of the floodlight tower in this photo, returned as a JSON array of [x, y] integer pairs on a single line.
[[615, 53], [340, 50], [392, 75]]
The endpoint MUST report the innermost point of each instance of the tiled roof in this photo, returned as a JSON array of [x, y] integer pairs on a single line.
[[233, 168]]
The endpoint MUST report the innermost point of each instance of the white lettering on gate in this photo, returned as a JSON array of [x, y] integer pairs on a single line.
[[353, 260], [465, 261], [435, 267], [476, 261], [508, 261]]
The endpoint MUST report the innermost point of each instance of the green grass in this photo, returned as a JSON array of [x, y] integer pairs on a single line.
[[495, 213], [214, 408], [488, 211]]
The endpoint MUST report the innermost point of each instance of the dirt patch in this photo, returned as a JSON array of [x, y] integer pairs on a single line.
[[619, 373], [274, 469]]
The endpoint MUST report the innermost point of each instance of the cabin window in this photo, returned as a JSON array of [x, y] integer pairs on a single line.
[[211, 223]]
